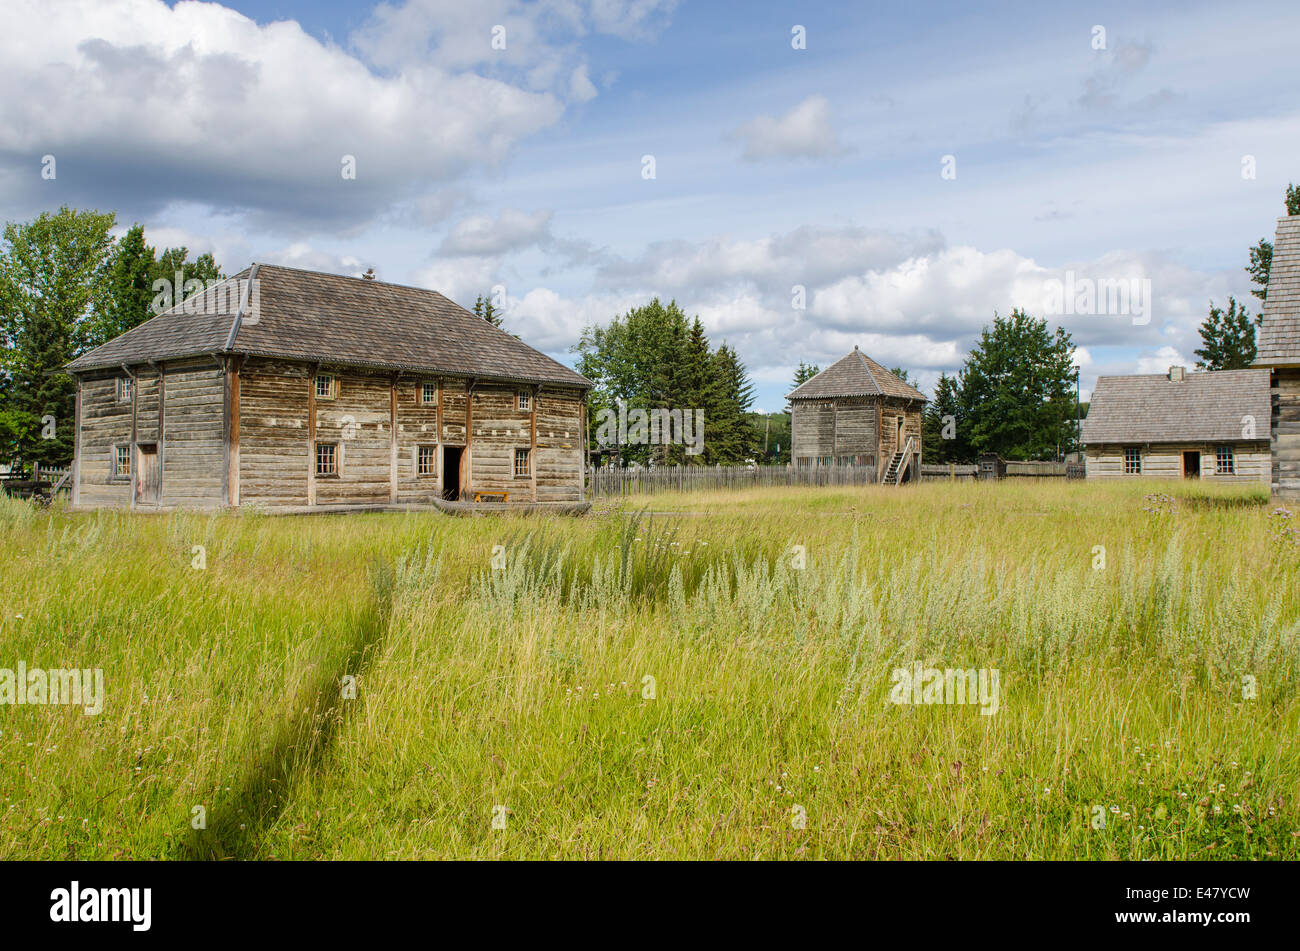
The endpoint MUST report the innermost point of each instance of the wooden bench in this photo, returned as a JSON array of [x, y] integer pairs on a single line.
[[485, 496]]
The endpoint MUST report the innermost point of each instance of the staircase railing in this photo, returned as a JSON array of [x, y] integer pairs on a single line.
[[904, 459]]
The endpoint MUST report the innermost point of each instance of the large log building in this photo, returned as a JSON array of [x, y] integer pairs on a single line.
[[1279, 352], [298, 390], [855, 412]]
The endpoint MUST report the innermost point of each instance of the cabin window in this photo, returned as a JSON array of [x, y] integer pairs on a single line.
[[1225, 463], [429, 393], [124, 389], [426, 463], [327, 459], [326, 387], [122, 462], [525, 400], [1132, 461], [521, 462]]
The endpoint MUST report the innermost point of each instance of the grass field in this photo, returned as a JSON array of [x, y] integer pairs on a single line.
[[638, 685]]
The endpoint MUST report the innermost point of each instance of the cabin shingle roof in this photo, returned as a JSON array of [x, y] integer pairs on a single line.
[[1279, 334], [854, 374], [1204, 407], [332, 319]]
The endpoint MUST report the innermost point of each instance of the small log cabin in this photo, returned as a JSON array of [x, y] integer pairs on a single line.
[[296, 390], [1278, 353], [1179, 425], [855, 412]]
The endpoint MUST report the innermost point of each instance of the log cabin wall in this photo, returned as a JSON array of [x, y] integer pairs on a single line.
[[274, 449], [558, 462], [453, 411], [854, 430], [355, 421], [1165, 461], [176, 408], [105, 425], [813, 430], [264, 455], [890, 412], [500, 427], [190, 442], [1285, 459], [417, 425]]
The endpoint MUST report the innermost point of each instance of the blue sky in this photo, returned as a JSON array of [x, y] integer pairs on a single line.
[[224, 127]]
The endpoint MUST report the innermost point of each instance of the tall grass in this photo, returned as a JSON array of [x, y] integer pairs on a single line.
[[648, 685]]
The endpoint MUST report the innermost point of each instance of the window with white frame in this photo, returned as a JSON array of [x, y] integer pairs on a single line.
[[1225, 463], [122, 462], [327, 459], [124, 389], [525, 400], [326, 387], [521, 462], [1132, 461], [426, 461], [429, 393]]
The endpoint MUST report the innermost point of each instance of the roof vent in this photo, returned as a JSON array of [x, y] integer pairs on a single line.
[[369, 275], [1175, 374]]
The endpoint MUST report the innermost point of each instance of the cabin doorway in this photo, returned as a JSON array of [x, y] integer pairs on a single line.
[[451, 472], [1192, 465], [148, 482], [898, 437]]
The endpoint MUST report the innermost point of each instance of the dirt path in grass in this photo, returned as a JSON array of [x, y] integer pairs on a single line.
[[237, 825]]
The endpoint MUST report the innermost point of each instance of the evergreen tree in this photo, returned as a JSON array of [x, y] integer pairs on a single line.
[[173, 277], [1227, 338], [1261, 255], [730, 436], [129, 290], [804, 373], [903, 375], [484, 308], [653, 358], [941, 411], [1017, 390], [52, 280]]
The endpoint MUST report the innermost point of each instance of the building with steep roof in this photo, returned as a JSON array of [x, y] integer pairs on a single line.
[[856, 412]]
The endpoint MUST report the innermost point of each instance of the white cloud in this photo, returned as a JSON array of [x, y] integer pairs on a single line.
[[1162, 360], [198, 102], [485, 236], [803, 132]]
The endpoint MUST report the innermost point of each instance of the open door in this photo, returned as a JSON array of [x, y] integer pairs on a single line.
[[451, 472], [148, 482], [1192, 465]]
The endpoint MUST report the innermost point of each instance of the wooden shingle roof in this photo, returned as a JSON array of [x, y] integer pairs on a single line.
[[1279, 334], [332, 319], [854, 374], [1204, 407]]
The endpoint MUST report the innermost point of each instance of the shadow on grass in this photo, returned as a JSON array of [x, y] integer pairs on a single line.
[[237, 825]]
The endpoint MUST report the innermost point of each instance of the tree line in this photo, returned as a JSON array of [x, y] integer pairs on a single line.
[[651, 358], [68, 285]]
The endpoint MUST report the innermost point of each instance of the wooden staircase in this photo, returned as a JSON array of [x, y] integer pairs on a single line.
[[898, 465]]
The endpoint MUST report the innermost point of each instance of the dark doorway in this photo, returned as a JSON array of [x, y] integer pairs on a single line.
[[451, 472], [148, 480], [1191, 465]]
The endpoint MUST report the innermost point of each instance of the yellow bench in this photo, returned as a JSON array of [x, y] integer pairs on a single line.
[[480, 496]]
